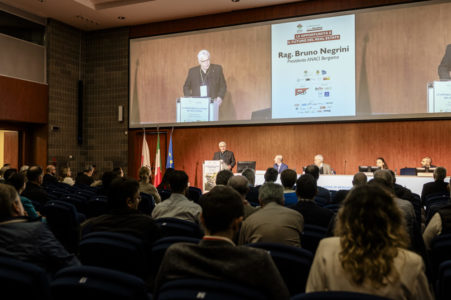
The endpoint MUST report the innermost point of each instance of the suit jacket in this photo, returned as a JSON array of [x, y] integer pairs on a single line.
[[214, 79], [273, 223], [221, 260], [313, 214], [327, 274], [433, 188], [228, 157], [325, 169], [35, 192], [282, 168], [445, 65]]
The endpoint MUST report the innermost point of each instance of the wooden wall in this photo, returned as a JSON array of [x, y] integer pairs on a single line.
[[352, 144]]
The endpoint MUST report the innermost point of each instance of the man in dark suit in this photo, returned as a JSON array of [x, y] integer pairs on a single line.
[[34, 190], [438, 186], [205, 80], [227, 157], [278, 164], [445, 65], [216, 256]]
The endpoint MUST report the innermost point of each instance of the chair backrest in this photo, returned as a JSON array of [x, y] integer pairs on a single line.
[[113, 250], [78, 201], [206, 289], [194, 194], [147, 204], [94, 283], [311, 236], [293, 264], [333, 207], [443, 290], [64, 221], [336, 295], [440, 252], [22, 280], [178, 227], [96, 206], [160, 246], [164, 194]]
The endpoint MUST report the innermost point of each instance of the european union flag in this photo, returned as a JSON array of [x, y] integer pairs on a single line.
[[170, 158]]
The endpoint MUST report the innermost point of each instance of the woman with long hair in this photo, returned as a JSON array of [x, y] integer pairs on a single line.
[[368, 253], [380, 163]]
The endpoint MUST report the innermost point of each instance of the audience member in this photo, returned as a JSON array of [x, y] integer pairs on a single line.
[[145, 186], [123, 217], [50, 176], [323, 193], [9, 173], [438, 186], [400, 191], [107, 179], [381, 164], [177, 205], [29, 241], [273, 223], [312, 213], [367, 255], [216, 256], [358, 180], [241, 185], [118, 171], [323, 167], [33, 189], [85, 177], [18, 181], [271, 175], [2, 172], [440, 223], [66, 175], [288, 178], [164, 185], [278, 164], [252, 195], [23, 170], [223, 177]]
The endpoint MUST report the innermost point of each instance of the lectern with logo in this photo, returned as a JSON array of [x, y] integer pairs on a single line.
[[197, 109]]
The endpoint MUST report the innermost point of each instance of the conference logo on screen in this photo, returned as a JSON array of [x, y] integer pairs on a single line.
[[301, 91]]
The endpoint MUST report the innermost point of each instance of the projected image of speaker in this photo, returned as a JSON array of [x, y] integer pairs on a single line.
[[243, 165]]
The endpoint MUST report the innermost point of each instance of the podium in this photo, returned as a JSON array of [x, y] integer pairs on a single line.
[[439, 96], [210, 169], [196, 109]]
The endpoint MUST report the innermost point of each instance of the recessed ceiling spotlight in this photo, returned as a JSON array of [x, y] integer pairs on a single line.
[[121, 18]]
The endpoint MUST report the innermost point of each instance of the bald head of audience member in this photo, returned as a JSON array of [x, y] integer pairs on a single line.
[[34, 175], [222, 211], [359, 179], [240, 184], [271, 175], [223, 177], [271, 192], [383, 177]]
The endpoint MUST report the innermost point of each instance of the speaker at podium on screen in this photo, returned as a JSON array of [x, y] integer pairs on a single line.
[[197, 109]]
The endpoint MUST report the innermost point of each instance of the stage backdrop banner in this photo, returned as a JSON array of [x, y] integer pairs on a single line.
[[313, 68]]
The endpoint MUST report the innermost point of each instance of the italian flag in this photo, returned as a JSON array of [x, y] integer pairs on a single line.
[[157, 176]]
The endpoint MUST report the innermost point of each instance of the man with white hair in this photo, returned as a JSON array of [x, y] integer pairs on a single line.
[[227, 157], [323, 168], [205, 80], [278, 164]]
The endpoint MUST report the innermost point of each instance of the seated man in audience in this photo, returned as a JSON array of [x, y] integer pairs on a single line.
[[50, 176], [216, 256], [33, 190], [400, 191], [323, 195], [358, 180], [29, 241], [278, 164], [323, 167], [241, 185], [439, 186], [271, 175], [18, 182], [312, 213], [273, 223], [439, 224], [85, 177], [178, 205], [123, 201], [223, 177], [288, 179]]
